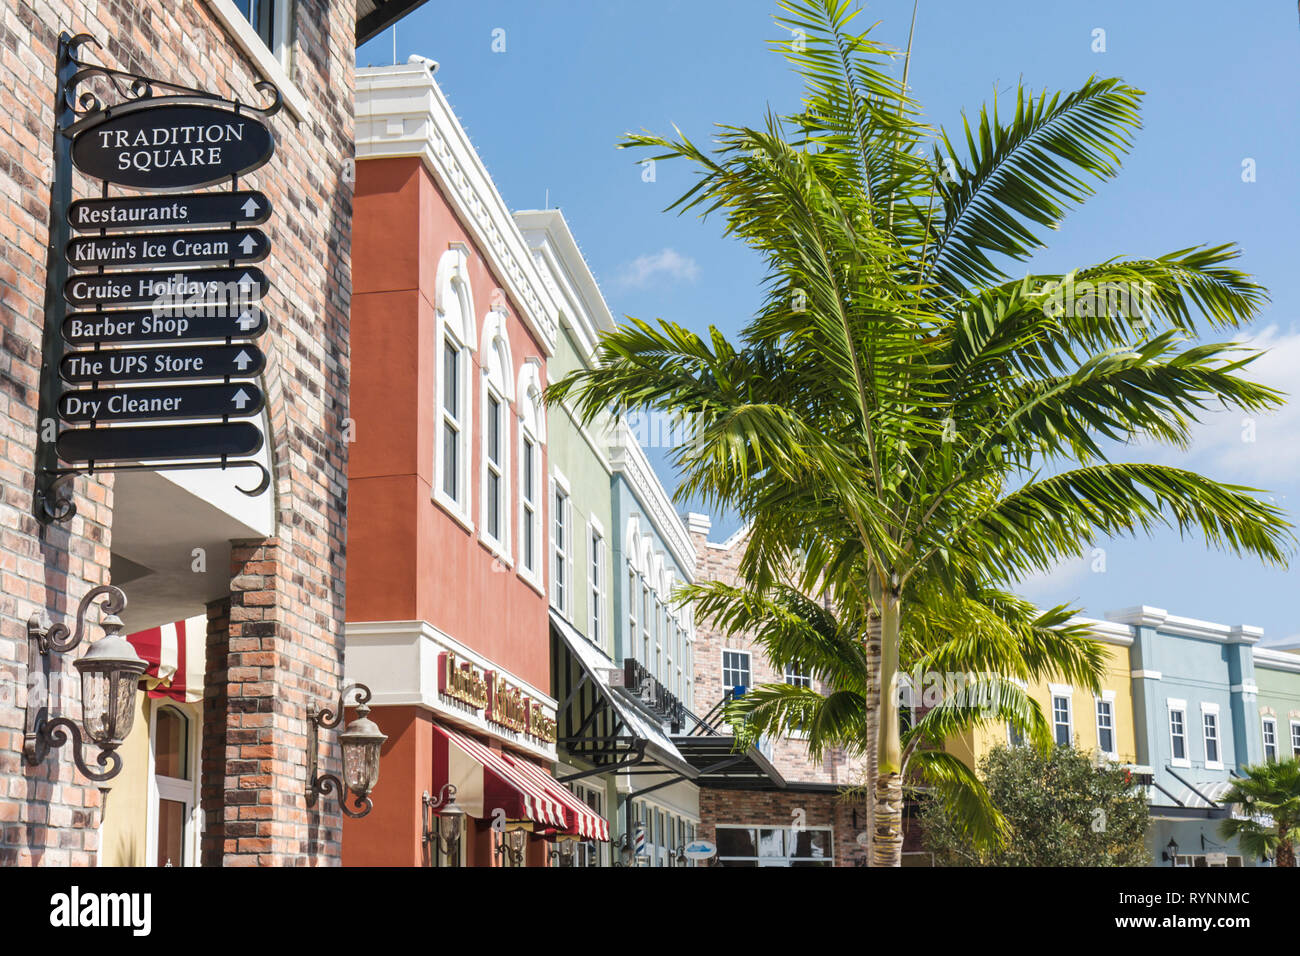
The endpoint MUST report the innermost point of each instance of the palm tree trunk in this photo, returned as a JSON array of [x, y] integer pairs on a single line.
[[872, 711], [887, 815], [1285, 853]]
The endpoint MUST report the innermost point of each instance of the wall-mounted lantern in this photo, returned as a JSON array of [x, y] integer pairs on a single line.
[[444, 821], [1171, 852], [361, 742], [512, 845], [110, 676]]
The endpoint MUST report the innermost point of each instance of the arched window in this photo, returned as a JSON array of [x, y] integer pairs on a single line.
[[532, 438], [498, 385], [454, 333]]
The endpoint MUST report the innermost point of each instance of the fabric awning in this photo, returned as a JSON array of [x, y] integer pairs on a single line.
[[582, 820], [486, 781], [175, 653]]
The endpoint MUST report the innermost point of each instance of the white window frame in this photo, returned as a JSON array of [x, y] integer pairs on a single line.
[[562, 585], [454, 325], [1264, 726], [1108, 698], [1065, 692], [749, 669], [498, 376], [1173, 706], [532, 429], [597, 583], [274, 63], [1295, 738], [172, 788], [1210, 709]]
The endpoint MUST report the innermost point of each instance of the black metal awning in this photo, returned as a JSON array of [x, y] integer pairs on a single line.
[[376, 16], [601, 725], [720, 764]]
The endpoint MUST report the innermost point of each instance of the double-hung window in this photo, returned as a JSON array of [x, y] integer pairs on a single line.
[[529, 471], [453, 425], [562, 549], [495, 462], [1295, 738], [1178, 733], [1210, 733], [596, 586], [1062, 717], [797, 675], [1270, 739], [1106, 724], [735, 670]]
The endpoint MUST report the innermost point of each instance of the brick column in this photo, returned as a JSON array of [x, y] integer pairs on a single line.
[[265, 664]]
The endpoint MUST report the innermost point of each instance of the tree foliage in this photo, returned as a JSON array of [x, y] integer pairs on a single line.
[[1059, 807]]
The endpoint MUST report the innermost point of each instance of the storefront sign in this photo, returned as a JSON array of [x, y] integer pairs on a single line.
[[540, 724], [245, 208], [502, 702], [160, 443], [162, 364], [82, 406], [173, 146], [141, 326], [700, 850], [507, 706], [198, 247], [462, 681]]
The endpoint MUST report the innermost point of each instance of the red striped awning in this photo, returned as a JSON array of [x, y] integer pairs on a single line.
[[486, 782], [175, 653], [581, 819]]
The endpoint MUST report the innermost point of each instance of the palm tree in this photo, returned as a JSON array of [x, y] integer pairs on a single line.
[[1269, 799], [901, 408], [982, 643]]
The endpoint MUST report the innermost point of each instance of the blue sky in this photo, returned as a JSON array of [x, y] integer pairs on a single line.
[[1221, 83]]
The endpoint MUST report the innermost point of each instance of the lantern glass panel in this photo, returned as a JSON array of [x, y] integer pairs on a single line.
[[361, 765], [108, 703]]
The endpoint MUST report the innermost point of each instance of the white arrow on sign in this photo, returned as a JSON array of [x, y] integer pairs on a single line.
[[240, 399], [246, 321], [250, 208], [242, 361], [247, 245], [245, 282]]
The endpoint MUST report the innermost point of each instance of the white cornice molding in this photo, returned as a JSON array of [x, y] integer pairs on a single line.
[[1166, 623], [400, 111], [627, 458], [1108, 632], [1139, 616], [1276, 660], [548, 234]]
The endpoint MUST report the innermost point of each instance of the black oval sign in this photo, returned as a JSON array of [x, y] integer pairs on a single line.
[[165, 148]]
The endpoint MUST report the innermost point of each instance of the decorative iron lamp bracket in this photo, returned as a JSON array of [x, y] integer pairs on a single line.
[[322, 784], [43, 733]]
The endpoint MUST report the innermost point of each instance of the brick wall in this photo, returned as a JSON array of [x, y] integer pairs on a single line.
[[718, 562], [296, 608]]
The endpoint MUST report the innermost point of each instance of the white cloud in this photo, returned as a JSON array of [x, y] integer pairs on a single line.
[[669, 263], [1057, 586], [1261, 450]]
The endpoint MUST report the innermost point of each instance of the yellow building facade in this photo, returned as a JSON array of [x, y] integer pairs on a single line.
[[1100, 724]]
